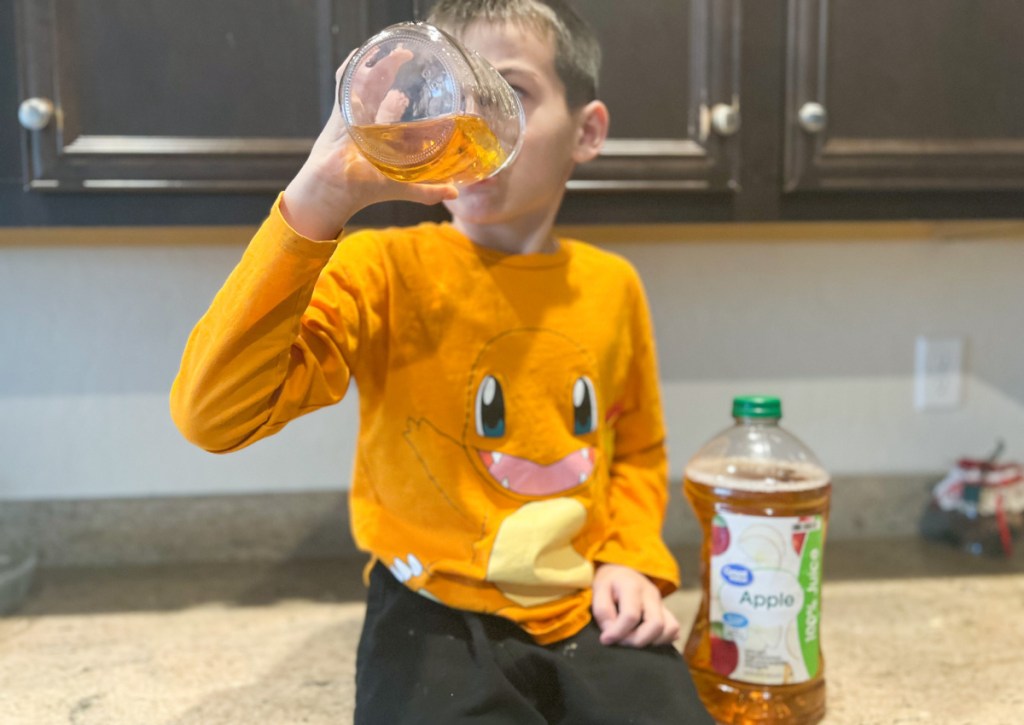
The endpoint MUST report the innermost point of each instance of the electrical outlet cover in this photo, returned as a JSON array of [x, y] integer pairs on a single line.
[[938, 373]]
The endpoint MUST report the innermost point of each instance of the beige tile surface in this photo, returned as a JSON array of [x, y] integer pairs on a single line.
[[243, 644]]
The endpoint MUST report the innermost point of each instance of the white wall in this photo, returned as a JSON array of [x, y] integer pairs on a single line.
[[91, 335], [830, 326]]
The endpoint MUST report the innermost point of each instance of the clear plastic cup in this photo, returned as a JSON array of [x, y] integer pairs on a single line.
[[422, 108]]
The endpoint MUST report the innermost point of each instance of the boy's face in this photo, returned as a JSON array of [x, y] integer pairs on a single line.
[[531, 188]]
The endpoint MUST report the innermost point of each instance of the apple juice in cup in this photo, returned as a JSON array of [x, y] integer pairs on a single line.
[[762, 500]]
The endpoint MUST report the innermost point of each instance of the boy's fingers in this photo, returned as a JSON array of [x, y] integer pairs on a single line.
[[430, 193], [341, 69], [603, 607], [614, 632], [627, 618], [671, 631], [642, 636], [372, 83], [390, 64], [652, 623], [335, 116], [392, 107]]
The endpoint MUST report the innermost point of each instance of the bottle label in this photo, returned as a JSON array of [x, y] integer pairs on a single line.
[[765, 606]]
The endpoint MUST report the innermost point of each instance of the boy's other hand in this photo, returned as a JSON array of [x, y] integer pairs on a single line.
[[629, 609], [336, 181]]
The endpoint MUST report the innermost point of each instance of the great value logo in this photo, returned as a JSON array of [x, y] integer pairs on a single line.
[[737, 575]]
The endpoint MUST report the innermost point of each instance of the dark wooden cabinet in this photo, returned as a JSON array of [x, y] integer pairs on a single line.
[[184, 95], [670, 81], [722, 110], [670, 71], [905, 95]]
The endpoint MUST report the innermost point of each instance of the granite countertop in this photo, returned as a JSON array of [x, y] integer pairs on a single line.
[[914, 632]]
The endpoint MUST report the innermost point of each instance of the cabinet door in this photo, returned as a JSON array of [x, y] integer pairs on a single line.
[[916, 94], [669, 78], [670, 81], [183, 95]]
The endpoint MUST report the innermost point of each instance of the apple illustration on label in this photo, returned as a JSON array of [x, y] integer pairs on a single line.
[[800, 529], [719, 536], [725, 655]]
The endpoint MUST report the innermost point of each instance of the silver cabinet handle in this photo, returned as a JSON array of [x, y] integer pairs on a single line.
[[35, 114], [813, 117], [725, 119]]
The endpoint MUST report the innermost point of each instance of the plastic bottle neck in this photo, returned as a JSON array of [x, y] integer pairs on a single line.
[[755, 420]]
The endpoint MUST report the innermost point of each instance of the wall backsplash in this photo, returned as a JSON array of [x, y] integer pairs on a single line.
[[93, 333], [275, 527]]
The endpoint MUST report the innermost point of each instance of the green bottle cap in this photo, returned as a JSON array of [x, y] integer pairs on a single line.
[[756, 406]]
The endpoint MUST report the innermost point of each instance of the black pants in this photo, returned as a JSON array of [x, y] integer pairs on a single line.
[[422, 662]]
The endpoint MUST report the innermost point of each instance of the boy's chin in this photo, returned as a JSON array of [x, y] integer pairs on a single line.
[[474, 205], [484, 186]]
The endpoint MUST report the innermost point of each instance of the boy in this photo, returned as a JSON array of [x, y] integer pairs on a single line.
[[510, 475]]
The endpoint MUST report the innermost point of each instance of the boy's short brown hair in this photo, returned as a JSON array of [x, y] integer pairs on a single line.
[[577, 51]]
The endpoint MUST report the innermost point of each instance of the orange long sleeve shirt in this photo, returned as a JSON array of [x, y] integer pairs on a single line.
[[511, 432]]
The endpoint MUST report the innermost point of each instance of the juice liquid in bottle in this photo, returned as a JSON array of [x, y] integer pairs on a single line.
[[762, 499], [460, 149]]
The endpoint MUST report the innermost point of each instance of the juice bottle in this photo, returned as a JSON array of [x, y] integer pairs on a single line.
[[762, 499]]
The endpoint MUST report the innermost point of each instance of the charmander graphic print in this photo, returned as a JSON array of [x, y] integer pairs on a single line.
[[531, 434]]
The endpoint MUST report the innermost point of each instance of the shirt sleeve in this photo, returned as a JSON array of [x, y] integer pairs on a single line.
[[639, 466], [279, 340]]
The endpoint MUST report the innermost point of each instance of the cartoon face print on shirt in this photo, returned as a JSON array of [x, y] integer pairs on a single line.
[[532, 413], [531, 434]]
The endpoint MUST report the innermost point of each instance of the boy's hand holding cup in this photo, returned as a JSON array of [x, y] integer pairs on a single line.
[[336, 181]]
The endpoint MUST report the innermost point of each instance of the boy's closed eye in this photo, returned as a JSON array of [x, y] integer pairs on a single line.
[[520, 81]]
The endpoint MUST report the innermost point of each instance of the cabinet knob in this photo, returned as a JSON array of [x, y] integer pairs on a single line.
[[34, 114], [725, 119], [813, 117]]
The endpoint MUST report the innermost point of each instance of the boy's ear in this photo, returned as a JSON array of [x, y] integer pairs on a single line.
[[592, 130]]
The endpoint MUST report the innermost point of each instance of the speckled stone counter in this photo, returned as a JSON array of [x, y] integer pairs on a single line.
[[913, 633]]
